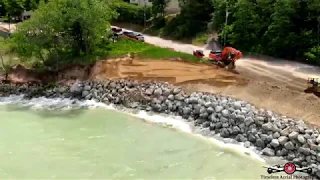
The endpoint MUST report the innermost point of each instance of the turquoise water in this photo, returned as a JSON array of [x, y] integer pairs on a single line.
[[104, 144]]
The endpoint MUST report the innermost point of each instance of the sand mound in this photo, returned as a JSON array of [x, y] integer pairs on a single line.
[[175, 72], [276, 92]]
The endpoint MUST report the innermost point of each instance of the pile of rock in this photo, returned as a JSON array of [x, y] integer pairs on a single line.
[[271, 134]]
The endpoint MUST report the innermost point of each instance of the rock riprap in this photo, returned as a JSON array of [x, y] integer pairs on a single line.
[[271, 134]]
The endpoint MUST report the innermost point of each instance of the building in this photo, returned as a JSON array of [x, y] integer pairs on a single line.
[[172, 8], [141, 2], [26, 15]]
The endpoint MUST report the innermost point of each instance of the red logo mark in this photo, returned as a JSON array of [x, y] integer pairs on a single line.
[[289, 168]]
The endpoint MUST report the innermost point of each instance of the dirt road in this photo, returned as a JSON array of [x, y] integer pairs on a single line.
[[11, 27]]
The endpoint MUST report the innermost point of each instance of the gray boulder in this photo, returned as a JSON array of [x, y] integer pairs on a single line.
[[87, 88], [176, 91], [268, 152], [224, 133], [225, 113], [76, 89], [289, 145], [157, 92], [85, 93], [247, 144], [267, 126], [293, 135], [260, 143], [248, 121], [301, 139], [210, 110], [275, 143], [237, 105], [283, 139], [179, 97], [171, 97], [149, 91], [193, 100], [305, 151], [218, 109]]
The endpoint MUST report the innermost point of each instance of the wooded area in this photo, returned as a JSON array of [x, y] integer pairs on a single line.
[[280, 28]]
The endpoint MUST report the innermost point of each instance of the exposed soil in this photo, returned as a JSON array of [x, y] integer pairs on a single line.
[[260, 87], [174, 72], [277, 92]]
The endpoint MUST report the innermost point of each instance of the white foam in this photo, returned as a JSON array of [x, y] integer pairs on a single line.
[[182, 125], [54, 103], [172, 121]]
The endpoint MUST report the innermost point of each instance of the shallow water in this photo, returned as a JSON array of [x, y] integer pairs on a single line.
[[105, 144]]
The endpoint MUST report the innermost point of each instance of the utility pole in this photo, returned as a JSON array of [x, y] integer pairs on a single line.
[[9, 16], [144, 13], [225, 25], [318, 34]]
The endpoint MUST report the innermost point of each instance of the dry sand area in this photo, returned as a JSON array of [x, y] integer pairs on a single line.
[[277, 92]]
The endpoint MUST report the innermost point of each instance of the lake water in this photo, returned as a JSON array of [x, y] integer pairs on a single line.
[[106, 144]]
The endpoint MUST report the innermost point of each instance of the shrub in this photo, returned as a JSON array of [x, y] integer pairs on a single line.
[[313, 55]]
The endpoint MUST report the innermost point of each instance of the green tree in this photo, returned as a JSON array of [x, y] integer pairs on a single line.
[[158, 12], [158, 7], [61, 29], [281, 28], [245, 29], [193, 18], [14, 7], [5, 56], [31, 4], [3, 10], [130, 12]]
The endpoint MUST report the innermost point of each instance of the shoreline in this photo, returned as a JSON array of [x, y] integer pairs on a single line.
[[270, 134], [168, 121]]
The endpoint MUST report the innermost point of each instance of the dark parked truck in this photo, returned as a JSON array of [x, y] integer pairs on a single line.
[[133, 35]]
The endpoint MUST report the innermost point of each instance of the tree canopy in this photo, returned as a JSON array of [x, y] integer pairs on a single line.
[[192, 19], [63, 28], [281, 28]]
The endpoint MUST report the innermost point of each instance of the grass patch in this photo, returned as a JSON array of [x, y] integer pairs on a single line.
[[146, 51]]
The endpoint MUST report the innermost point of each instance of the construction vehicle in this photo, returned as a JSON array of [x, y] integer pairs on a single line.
[[313, 86], [225, 58]]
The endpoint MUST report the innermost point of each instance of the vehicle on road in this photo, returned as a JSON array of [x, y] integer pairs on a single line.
[[116, 29], [199, 54], [313, 86], [225, 58], [133, 35]]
